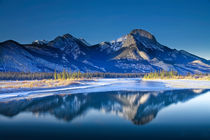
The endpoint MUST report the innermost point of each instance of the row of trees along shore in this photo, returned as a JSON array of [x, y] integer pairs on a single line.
[[88, 75], [161, 74], [78, 75], [64, 75], [174, 75]]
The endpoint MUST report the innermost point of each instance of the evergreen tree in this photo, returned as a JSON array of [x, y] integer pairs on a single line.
[[55, 75], [63, 74]]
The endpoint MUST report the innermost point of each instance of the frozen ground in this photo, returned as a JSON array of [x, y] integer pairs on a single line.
[[103, 85], [189, 84]]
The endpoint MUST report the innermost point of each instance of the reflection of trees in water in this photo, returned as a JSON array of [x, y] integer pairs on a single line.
[[139, 107]]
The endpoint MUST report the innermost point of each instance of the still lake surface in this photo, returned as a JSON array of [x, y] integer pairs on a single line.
[[129, 109]]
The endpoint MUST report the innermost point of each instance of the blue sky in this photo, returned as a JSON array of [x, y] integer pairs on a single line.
[[180, 24]]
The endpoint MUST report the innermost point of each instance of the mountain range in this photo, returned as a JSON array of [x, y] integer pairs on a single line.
[[135, 52]]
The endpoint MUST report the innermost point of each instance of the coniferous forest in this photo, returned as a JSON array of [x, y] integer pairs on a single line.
[[174, 75], [89, 75], [64, 75]]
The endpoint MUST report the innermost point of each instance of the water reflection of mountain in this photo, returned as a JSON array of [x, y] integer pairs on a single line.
[[139, 107]]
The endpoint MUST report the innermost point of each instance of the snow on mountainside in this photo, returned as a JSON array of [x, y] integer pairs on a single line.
[[137, 51], [40, 42]]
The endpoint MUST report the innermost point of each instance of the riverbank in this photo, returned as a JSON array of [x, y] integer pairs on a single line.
[[65, 87], [180, 78], [33, 84], [183, 83], [49, 84]]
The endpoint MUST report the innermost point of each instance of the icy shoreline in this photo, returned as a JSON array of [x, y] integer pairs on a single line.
[[104, 85], [184, 83]]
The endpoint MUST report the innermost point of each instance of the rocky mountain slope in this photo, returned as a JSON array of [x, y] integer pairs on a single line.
[[137, 51]]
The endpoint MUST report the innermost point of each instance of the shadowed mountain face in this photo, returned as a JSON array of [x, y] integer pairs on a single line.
[[138, 107], [137, 51]]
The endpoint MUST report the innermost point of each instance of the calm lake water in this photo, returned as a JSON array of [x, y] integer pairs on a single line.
[[118, 114]]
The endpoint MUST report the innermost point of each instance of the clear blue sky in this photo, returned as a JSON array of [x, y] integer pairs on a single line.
[[180, 24]]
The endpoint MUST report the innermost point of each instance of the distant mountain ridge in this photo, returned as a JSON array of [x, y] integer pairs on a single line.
[[138, 51]]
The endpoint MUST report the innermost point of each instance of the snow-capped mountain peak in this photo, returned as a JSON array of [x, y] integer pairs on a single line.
[[137, 51], [40, 42]]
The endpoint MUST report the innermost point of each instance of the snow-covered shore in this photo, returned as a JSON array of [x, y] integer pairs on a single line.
[[184, 83], [104, 85]]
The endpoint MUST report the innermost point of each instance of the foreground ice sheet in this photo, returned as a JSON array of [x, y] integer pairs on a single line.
[[103, 85], [186, 83]]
